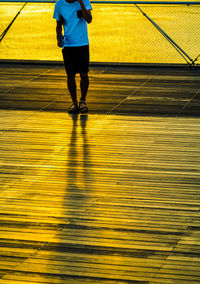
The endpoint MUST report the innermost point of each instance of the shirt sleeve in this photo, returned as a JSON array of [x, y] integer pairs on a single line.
[[56, 14], [87, 4]]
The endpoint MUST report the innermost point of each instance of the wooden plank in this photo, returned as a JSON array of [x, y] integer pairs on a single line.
[[136, 91], [99, 198]]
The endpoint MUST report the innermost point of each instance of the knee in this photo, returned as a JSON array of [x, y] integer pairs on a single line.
[[71, 77], [84, 76]]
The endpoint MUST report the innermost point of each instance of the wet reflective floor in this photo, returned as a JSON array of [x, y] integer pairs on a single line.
[[103, 197]]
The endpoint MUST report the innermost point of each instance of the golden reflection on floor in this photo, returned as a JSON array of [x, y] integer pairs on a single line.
[[98, 198]]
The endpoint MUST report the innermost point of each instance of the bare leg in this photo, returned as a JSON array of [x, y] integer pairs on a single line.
[[84, 86], [71, 83]]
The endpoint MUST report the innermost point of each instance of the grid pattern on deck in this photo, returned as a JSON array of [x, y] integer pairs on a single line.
[[139, 91]]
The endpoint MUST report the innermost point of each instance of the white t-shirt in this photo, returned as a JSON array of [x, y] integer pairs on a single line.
[[75, 29]]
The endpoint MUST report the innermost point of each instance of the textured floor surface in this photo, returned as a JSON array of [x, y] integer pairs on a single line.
[[154, 91], [97, 198]]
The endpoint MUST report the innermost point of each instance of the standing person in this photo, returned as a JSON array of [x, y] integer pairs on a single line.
[[74, 15]]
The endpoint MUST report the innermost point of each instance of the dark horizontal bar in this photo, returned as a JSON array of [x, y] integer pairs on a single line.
[[92, 63], [112, 2]]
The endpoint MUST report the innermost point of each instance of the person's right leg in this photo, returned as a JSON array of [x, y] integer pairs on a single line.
[[71, 83], [69, 61]]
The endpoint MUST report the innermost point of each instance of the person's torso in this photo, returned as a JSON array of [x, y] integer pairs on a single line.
[[75, 29]]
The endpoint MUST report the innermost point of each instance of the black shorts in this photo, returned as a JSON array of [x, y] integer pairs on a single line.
[[76, 59]]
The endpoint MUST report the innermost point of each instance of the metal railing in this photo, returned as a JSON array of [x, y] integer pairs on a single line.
[[112, 2], [121, 32]]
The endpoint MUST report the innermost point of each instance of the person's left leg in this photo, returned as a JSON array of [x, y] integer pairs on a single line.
[[84, 84]]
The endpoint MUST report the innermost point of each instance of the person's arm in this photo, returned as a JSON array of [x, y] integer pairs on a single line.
[[87, 15], [59, 33]]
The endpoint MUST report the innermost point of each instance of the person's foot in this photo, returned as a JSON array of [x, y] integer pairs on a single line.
[[83, 107], [73, 108]]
